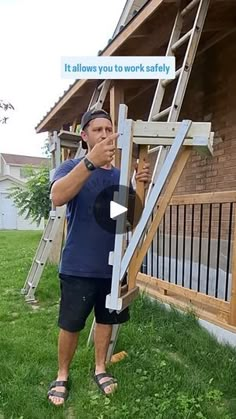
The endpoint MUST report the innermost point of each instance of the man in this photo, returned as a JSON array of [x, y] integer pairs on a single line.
[[85, 276]]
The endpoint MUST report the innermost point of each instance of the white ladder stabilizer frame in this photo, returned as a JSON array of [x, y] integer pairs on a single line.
[[183, 75], [185, 134]]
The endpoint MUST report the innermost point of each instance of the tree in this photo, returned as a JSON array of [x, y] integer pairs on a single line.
[[46, 148], [33, 199], [5, 106]]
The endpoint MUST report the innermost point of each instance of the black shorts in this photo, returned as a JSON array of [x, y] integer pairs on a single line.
[[79, 296]]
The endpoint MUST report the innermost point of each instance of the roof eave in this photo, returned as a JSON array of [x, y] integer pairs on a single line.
[[144, 13], [12, 178]]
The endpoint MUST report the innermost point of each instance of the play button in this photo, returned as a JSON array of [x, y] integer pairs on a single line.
[[113, 212], [116, 209]]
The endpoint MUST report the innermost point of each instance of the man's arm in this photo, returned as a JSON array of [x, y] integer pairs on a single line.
[[134, 213], [69, 185], [132, 209]]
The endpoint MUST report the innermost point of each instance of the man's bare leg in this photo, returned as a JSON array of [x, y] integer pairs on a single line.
[[102, 337], [67, 344]]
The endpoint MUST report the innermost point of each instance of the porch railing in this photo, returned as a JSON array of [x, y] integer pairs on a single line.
[[191, 260]]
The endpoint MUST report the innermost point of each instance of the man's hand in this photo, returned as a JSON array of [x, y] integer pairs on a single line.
[[144, 175], [103, 152]]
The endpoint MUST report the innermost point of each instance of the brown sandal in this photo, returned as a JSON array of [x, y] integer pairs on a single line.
[[61, 394], [111, 380]]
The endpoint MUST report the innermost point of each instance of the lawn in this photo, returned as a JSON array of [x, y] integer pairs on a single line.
[[174, 368]]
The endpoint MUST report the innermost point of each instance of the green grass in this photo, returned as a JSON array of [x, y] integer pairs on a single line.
[[174, 368]]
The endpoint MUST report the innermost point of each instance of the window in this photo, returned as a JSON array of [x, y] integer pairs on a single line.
[[23, 173]]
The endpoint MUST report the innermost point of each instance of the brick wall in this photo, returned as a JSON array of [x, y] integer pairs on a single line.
[[211, 96]]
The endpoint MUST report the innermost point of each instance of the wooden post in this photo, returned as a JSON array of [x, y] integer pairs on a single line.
[[140, 192], [232, 315], [55, 253], [74, 125], [116, 98], [173, 180], [140, 198]]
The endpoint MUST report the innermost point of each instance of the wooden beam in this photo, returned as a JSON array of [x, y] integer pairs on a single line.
[[164, 133], [140, 92], [116, 98], [170, 129], [191, 295], [69, 135], [204, 144], [232, 317], [204, 198], [219, 26], [157, 39], [139, 36], [129, 297], [74, 125], [173, 180], [55, 252], [140, 191], [219, 319], [214, 40], [69, 145], [139, 201], [71, 92]]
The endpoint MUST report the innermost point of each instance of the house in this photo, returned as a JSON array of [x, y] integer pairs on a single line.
[[14, 164], [192, 253], [130, 9], [12, 173]]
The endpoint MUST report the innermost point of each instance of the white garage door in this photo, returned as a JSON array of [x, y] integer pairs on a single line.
[[8, 213]]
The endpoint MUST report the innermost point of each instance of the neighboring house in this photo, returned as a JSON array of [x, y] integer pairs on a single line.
[[14, 164], [131, 8], [12, 173]]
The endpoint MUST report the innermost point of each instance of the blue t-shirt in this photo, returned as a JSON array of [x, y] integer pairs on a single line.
[[87, 246]]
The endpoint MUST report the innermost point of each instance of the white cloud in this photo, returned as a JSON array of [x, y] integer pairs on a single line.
[[35, 35]]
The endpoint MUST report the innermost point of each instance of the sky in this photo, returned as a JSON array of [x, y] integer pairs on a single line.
[[35, 34]]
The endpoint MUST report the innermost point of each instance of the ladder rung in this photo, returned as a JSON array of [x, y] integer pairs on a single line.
[[189, 7], [93, 107], [52, 147], [182, 40], [168, 81], [161, 114], [39, 262], [154, 149], [101, 85]]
